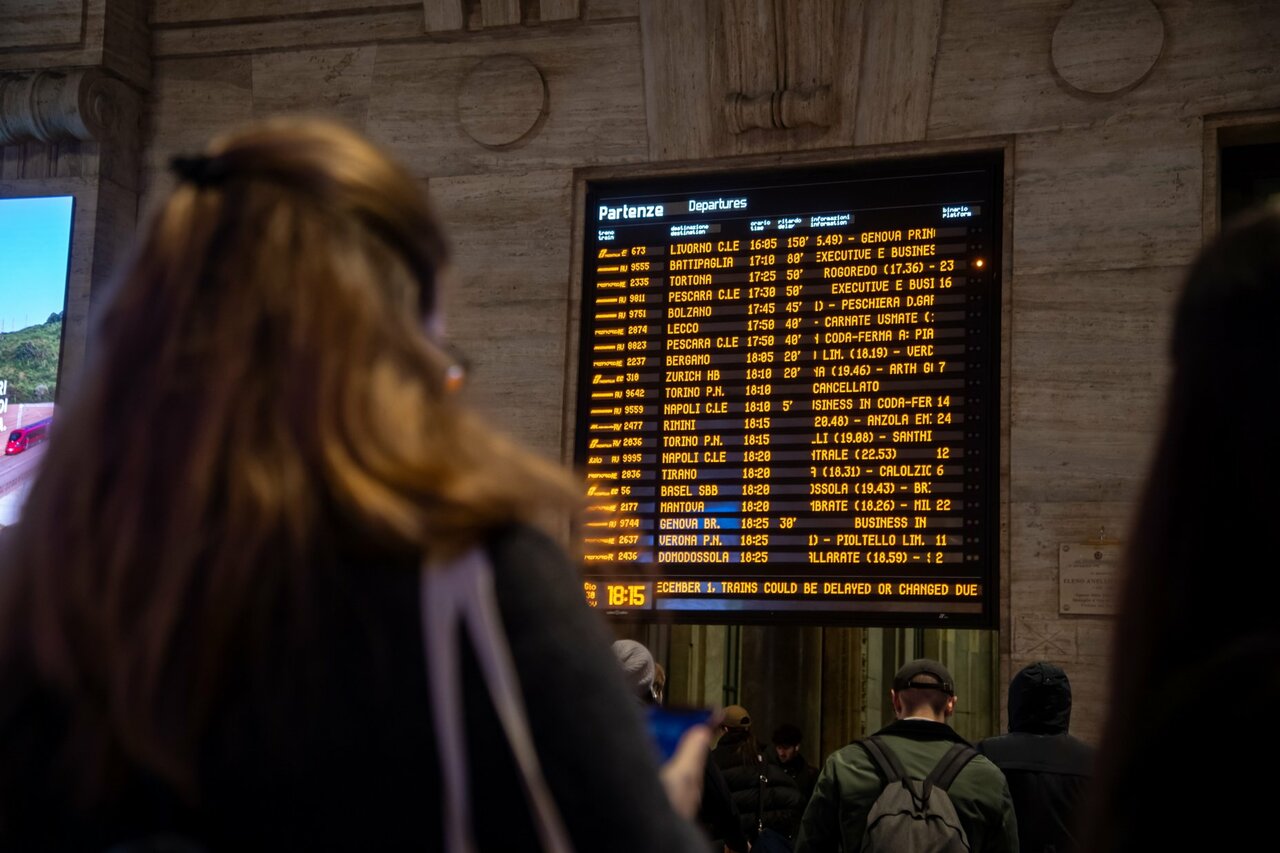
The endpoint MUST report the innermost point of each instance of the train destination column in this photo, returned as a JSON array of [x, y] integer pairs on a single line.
[[692, 526]]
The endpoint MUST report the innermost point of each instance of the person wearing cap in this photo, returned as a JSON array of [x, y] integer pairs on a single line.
[[924, 697], [1048, 769], [767, 799]]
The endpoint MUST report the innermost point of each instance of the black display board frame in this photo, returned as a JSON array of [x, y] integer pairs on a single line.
[[722, 179]]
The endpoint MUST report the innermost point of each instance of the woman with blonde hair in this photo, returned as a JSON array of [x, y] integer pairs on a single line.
[[216, 613]]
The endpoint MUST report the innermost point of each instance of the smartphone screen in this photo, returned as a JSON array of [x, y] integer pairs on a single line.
[[667, 725]]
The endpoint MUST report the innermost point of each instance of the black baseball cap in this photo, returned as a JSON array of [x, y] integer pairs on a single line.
[[906, 677]]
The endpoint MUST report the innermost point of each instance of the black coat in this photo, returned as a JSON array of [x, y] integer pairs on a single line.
[[717, 813], [336, 749], [1048, 770], [747, 774], [800, 770]]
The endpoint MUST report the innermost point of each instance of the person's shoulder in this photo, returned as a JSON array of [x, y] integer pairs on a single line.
[[528, 550], [1080, 754], [982, 781], [982, 764], [1057, 753], [998, 745], [531, 570], [521, 538], [1076, 743], [853, 753]]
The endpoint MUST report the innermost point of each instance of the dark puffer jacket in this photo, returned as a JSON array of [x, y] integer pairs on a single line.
[[1047, 769], [743, 768]]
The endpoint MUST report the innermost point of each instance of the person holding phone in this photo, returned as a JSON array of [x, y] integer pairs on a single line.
[[715, 811]]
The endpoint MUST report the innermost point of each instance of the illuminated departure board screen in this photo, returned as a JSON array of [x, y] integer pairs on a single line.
[[788, 403]]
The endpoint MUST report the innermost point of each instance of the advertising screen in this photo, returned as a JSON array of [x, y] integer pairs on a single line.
[[35, 243]]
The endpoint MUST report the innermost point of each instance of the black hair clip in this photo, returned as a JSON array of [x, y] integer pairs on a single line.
[[200, 169]]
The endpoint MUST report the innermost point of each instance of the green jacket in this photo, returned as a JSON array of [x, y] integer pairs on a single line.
[[837, 813]]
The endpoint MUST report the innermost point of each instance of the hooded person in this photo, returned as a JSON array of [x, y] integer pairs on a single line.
[[1047, 768]]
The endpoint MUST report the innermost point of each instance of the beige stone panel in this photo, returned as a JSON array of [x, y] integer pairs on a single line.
[[64, 34], [1089, 370], [126, 41], [507, 307], [1125, 195], [595, 101], [31, 21], [1077, 445], [117, 226], [1038, 528], [322, 32], [192, 11], [559, 10], [515, 351], [1090, 701], [41, 23], [193, 100], [605, 9], [1079, 644], [443, 15], [81, 274], [333, 83], [995, 73], [499, 13], [897, 71], [1093, 639], [681, 39]]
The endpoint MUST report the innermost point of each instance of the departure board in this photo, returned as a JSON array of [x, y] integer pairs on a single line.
[[788, 403]]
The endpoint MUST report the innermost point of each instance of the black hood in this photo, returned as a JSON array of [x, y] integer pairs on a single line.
[[1040, 700]]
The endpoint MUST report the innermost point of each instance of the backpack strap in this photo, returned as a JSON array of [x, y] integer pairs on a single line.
[[942, 775], [459, 596], [884, 757], [950, 765]]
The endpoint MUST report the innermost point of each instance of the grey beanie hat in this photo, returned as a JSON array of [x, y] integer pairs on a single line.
[[637, 664]]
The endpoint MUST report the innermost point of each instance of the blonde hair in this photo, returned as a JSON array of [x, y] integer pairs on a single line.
[[262, 397]]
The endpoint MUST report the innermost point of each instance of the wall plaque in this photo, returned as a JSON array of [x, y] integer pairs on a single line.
[[1088, 578]]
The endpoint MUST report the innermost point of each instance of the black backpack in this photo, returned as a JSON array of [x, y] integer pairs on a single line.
[[911, 816]]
